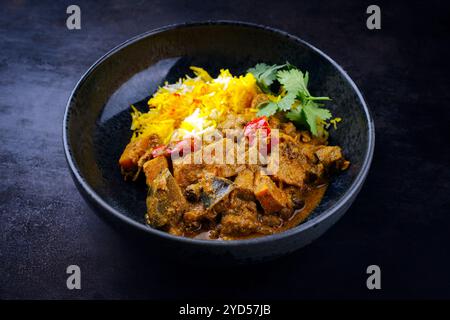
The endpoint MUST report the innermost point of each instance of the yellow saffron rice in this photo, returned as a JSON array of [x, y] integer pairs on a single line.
[[193, 105]]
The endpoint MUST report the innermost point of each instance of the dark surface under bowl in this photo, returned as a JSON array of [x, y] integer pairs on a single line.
[[97, 127]]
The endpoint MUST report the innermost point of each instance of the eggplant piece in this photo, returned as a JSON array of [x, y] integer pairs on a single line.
[[214, 190], [165, 201]]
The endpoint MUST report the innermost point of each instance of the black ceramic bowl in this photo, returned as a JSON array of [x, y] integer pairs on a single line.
[[97, 127]]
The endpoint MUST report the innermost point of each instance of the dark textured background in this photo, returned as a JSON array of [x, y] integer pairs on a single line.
[[400, 220]]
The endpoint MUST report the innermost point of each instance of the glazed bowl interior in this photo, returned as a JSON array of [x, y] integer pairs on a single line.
[[97, 122]]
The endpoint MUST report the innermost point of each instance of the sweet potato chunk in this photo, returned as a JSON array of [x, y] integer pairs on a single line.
[[271, 198], [135, 150]]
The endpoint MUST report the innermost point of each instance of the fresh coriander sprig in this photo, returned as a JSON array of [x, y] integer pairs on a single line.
[[295, 99], [265, 75]]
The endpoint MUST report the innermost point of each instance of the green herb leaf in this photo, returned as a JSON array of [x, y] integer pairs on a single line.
[[309, 115], [306, 112], [297, 116], [286, 102], [265, 75], [313, 109], [293, 81], [268, 109]]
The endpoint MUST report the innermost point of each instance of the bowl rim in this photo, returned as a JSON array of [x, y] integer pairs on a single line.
[[341, 202]]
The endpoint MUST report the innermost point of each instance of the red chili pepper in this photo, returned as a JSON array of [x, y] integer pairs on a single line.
[[253, 126], [161, 150], [190, 144]]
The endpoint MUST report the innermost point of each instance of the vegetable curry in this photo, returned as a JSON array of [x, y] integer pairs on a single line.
[[270, 126]]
